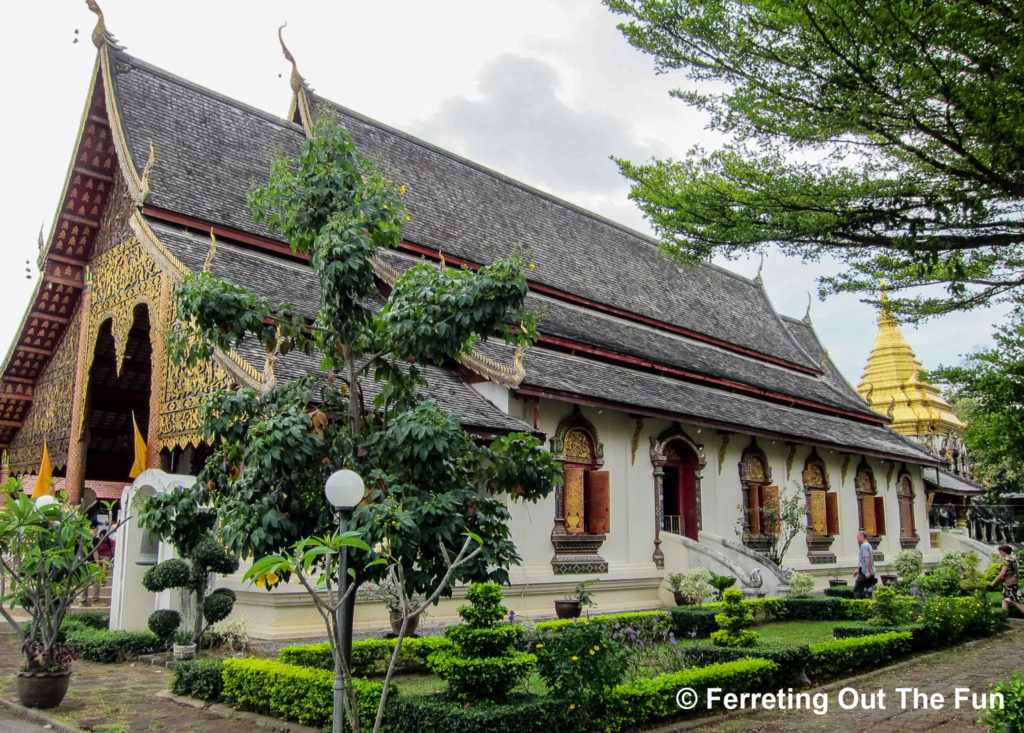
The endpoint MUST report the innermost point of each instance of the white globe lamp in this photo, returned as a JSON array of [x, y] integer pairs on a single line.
[[344, 489]]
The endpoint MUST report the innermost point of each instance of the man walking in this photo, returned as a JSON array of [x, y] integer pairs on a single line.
[[865, 575]]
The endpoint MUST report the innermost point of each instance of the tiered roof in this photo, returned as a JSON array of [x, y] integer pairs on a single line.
[[622, 325]]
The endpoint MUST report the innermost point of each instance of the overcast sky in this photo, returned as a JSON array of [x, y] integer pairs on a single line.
[[543, 91]]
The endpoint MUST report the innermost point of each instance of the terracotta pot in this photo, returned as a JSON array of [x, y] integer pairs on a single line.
[[43, 689], [567, 609], [836, 582], [396, 623], [681, 600]]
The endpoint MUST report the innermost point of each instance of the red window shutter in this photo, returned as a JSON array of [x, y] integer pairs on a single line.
[[598, 502], [572, 499], [832, 512], [879, 516]]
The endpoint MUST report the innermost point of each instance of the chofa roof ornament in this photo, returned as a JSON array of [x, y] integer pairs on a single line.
[[100, 35], [297, 80]]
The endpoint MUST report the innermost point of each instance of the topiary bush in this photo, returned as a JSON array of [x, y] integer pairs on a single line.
[[891, 608], [164, 623], [217, 607], [733, 622], [484, 664], [174, 573]]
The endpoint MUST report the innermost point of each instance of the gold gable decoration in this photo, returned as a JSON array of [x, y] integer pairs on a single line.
[[49, 418]]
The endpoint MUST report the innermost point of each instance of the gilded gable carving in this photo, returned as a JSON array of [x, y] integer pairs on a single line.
[[49, 417], [183, 391]]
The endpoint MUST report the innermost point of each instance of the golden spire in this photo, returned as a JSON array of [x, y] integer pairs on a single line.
[[297, 81], [100, 35], [212, 253], [891, 383]]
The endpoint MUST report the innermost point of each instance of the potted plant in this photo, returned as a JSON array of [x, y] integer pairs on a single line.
[[386, 592], [573, 604], [184, 646], [46, 563], [691, 587], [836, 580]]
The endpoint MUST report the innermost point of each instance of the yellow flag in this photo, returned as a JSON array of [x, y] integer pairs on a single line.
[[140, 451], [43, 476]]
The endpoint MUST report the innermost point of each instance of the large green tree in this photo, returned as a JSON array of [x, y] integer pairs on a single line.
[[888, 134], [429, 483], [988, 393]]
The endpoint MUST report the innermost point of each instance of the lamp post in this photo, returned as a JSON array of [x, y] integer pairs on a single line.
[[344, 490]]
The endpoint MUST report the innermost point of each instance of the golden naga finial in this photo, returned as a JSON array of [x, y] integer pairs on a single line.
[[212, 253], [807, 313], [42, 241], [443, 265], [297, 81], [517, 362], [760, 267], [144, 181], [100, 35], [892, 407]]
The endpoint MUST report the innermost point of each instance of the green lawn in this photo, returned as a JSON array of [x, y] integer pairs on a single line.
[[799, 632]]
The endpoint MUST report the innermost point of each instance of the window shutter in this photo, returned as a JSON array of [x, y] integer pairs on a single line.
[[832, 512], [598, 502], [879, 516], [819, 512], [572, 499], [755, 509], [868, 508], [770, 500]]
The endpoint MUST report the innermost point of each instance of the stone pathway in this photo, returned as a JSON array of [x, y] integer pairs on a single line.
[[974, 666]]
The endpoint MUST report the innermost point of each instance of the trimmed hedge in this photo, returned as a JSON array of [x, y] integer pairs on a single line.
[[88, 619], [687, 621], [640, 620], [921, 639], [369, 656], [831, 658], [647, 701], [840, 591], [825, 609], [300, 694], [519, 714], [199, 678], [99, 645], [791, 659]]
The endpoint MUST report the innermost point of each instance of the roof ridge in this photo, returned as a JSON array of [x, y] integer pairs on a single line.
[[232, 101]]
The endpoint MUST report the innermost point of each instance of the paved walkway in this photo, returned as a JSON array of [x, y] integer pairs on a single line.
[[974, 666]]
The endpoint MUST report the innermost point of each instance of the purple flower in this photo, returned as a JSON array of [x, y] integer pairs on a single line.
[[693, 634], [511, 617]]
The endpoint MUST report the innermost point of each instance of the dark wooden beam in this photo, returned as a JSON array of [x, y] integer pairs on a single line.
[[76, 219], [94, 174], [33, 350], [49, 317]]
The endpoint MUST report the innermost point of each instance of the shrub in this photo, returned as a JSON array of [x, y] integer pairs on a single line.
[[518, 714], [691, 623], [483, 664], [891, 608], [173, 573], [89, 619], [369, 656], [841, 591], [484, 609], [1009, 718], [217, 607], [299, 694], [164, 623], [733, 622], [801, 585], [581, 664], [790, 659], [99, 645], [921, 639], [199, 678], [830, 658], [694, 585], [223, 592], [908, 564], [951, 618], [644, 701]]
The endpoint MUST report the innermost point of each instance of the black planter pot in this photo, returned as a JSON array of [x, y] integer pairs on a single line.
[[43, 689], [567, 609], [396, 623], [680, 599], [836, 583]]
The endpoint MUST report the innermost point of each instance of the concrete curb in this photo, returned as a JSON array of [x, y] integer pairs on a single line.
[[37, 716], [694, 723], [242, 716]]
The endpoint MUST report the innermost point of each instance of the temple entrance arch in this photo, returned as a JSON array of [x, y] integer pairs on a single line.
[[118, 387], [677, 464]]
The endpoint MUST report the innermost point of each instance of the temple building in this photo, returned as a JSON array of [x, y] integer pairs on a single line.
[[681, 405], [892, 385]]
